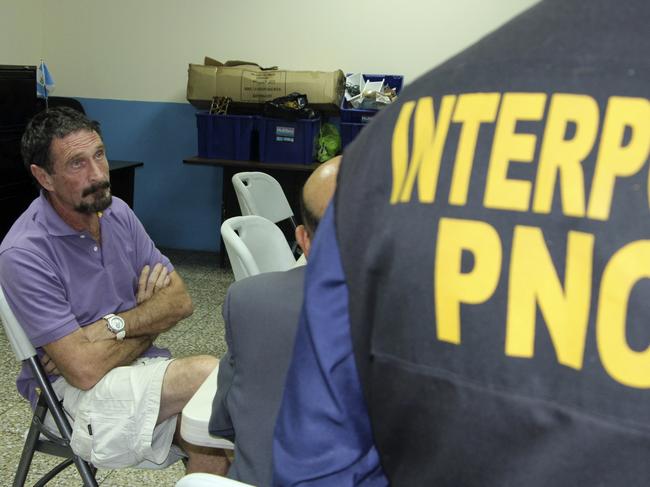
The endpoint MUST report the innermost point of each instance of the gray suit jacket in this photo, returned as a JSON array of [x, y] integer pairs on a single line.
[[261, 315]]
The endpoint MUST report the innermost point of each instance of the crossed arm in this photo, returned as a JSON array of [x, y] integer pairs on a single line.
[[86, 355]]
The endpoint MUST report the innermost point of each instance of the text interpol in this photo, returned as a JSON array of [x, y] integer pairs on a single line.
[[620, 137]]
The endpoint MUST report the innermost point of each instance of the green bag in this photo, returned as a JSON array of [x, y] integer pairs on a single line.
[[329, 142]]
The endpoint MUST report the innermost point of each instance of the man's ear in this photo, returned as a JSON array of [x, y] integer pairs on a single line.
[[302, 237], [42, 176]]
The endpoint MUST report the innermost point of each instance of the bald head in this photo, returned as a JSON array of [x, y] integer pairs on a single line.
[[315, 196], [317, 193]]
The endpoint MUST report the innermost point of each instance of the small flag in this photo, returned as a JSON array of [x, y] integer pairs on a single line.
[[44, 81]]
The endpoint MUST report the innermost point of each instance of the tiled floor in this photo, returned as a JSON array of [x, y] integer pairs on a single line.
[[202, 333]]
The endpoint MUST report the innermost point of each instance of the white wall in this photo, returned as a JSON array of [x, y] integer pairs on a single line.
[[21, 31], [107, 51], [139, 50]]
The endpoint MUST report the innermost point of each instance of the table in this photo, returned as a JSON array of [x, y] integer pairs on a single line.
[[291, 177], [196, 416]]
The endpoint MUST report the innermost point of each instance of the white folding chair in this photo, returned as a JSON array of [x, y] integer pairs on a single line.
[[255, 245], [39, 437], [260, 194], [208, 480]]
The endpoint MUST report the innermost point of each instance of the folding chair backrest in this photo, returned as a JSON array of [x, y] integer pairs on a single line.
[[19, 342], [255, 245], [261, 194]]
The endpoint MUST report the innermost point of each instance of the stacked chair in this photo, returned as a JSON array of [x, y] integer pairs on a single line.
[[255, 245], [254, 242], [260, 194]]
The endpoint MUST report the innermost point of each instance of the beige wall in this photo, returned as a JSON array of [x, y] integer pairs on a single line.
[[21, 31], [140, 49]]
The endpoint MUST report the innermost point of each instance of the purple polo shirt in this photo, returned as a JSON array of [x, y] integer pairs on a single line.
[[57, 279]]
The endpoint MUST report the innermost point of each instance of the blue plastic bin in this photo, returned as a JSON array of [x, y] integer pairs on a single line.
[[349, 131], [358, 115], [225, 136], [288, 141]]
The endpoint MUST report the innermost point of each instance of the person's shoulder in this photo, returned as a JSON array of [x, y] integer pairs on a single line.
[[269, 283], [26, 233], [267, 278], [268, 298], [24, 253]]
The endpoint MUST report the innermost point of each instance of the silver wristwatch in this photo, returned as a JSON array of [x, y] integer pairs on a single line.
[[115, 325]]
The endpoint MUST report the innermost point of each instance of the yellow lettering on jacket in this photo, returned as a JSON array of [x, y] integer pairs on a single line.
[[618, 158], [471, 111], [400, 150], [564, 157], [616, 143], [625, 269], [509, 146], [622, 151], [453, 287], [534, 282], [428, 143]]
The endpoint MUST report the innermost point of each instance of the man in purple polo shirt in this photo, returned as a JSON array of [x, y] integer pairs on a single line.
[[93, 292]]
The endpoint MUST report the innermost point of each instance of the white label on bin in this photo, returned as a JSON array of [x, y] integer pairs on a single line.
[[285, 134], [365, 118]]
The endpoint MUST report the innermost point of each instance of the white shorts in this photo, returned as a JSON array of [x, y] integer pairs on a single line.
[[115, 421]]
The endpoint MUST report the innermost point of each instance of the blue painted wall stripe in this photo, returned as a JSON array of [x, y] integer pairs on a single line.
[[179, 204]]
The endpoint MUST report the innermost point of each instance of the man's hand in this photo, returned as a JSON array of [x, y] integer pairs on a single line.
[[49, 365], [151, 281], [84, 356]]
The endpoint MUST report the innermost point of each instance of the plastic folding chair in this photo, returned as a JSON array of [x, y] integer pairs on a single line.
[[260, 194], [255, 245], [208, 480], [39, 437]]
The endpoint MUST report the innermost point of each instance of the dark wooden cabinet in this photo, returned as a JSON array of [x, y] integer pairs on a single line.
[[15, 195], [18, 103]]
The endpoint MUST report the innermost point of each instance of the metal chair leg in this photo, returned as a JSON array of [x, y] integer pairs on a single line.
[[49, 402], [30, 445], [54, 472]]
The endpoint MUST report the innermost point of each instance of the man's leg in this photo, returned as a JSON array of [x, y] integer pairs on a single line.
[[182, 378]]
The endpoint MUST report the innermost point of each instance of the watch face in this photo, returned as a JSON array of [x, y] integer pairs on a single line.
[[116, 324]]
